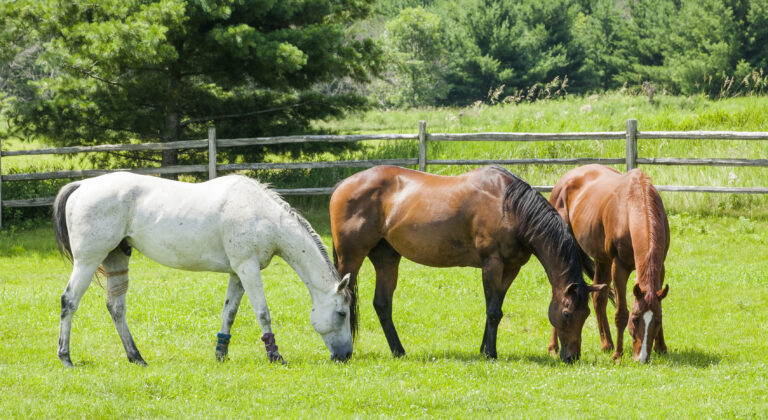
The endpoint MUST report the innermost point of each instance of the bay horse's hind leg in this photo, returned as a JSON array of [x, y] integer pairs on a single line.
[[82, 274], [386, 260], [116, 268], [231, 304]]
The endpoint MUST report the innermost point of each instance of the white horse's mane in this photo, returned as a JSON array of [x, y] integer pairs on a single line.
[[302, 221]]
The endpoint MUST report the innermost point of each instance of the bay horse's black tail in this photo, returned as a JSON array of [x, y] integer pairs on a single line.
[[354, 309], [60, 219]]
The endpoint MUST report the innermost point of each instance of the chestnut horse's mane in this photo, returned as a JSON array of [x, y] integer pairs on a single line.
[[649, 265], [538, 223]]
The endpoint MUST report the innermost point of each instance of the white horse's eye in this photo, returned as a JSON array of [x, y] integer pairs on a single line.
[[341, 313]]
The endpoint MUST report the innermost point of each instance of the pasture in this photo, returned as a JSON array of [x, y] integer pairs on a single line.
[[715, 317]]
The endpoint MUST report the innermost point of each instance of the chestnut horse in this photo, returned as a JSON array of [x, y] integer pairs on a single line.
[[619, 220], [488, 218]]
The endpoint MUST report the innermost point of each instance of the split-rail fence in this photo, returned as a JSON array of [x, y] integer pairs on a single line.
[[631, 135]]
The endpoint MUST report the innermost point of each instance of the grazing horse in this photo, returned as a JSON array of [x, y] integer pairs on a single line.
[[231, 224], [488, 218], [619, 220]]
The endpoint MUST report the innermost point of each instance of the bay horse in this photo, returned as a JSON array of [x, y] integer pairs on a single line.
[[487, 218], [619, 220], [231, 224]]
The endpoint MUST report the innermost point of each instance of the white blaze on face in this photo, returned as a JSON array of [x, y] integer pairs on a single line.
[[647, 317]]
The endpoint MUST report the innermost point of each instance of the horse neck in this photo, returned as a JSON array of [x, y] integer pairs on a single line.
[[561, 267], [298, 248], [649, 235]]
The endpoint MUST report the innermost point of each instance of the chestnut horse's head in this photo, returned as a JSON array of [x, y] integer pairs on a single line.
[[645, 321], [568, 310]]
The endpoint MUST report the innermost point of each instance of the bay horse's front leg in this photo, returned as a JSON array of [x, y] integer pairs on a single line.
[[386, 260], [496, 282], [250, 277], [231, 304]]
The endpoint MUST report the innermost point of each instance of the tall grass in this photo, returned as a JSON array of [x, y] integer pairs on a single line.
[[607, 112]]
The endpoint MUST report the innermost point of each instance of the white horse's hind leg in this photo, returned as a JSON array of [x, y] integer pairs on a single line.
[[231, 304], [250, 276], [116, 267], [82, 274]]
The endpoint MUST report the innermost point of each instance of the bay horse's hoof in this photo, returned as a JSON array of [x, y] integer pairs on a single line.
[[137, 360], [607, 347], [617, 356]]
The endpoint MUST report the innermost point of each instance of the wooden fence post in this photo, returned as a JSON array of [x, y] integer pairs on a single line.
[[211, 152], [631, 144], [423, 146]]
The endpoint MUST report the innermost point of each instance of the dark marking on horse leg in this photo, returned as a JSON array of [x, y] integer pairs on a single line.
[[222, 346], [271, 347]]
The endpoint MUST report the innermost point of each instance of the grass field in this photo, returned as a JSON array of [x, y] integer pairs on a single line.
[[716, 315], [715, 318]]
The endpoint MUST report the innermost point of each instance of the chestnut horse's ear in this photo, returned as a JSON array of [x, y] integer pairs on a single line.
[[663, 292], [639, 293], [343, 284]]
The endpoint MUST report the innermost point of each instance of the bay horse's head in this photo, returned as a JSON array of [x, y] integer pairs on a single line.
[[568, 310], [330, 318], [645, 321]]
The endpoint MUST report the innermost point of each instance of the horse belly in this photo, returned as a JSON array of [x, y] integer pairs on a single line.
[[185, 249], [432, 250]]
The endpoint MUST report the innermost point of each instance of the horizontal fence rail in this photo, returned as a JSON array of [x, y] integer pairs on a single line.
[[631, 135]]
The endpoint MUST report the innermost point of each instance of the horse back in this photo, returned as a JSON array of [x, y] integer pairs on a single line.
[[433, 220]]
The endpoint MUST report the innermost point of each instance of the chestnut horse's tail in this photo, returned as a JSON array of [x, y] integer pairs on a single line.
[[649, 234], [354, 309]]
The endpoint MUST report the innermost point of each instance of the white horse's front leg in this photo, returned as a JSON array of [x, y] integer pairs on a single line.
[[250, 276], [231, 304]]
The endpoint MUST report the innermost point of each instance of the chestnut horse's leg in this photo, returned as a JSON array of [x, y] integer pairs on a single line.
[[496, 282], [660, 345], [600, 301], [386, 260], [620, 275]]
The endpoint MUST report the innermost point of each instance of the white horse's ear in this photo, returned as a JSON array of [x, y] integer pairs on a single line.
[[343, 284]]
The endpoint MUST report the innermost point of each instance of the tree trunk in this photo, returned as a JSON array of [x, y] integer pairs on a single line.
[[172, 131]]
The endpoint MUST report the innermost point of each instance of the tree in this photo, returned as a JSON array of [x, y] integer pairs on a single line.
[[163, 70]]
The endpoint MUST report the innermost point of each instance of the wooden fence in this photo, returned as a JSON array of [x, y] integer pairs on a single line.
[[631, 136]]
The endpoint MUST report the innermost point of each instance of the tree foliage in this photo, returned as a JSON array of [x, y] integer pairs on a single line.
[[163, 70]]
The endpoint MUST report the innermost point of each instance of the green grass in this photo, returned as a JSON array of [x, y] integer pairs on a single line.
[[716, 321]]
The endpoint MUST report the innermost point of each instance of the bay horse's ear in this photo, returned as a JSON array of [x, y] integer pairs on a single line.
[[663, 292], [639, 293], [597, 287], [571, 290], [343, 284]]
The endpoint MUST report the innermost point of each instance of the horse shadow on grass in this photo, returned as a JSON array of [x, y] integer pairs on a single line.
[[692, 358]]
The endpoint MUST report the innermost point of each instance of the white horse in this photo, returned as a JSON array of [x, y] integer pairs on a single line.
[[231, 224]]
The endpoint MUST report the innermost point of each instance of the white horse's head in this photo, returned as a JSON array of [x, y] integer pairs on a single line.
[[330, 318]]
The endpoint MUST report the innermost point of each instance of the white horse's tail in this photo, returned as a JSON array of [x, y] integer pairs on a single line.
[[60, 219]]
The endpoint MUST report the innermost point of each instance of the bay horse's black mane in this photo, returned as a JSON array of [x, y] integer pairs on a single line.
[[538, 223]]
